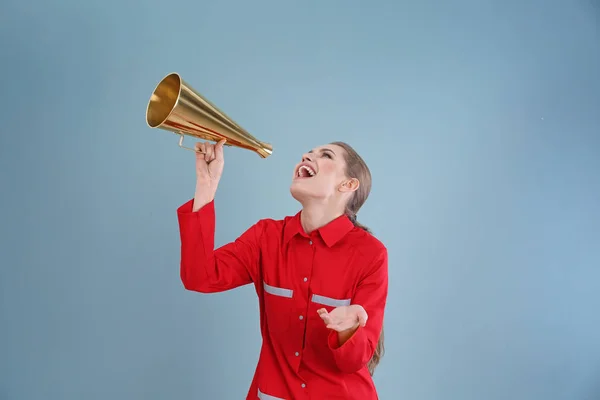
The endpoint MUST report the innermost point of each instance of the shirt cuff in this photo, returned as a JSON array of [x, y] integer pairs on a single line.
[[188, 208], [334, 342]]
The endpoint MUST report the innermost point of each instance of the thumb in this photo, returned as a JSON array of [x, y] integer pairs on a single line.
[[219, 149], [362, 318]]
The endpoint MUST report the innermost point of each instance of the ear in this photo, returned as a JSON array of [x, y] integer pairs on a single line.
[[349, 185]]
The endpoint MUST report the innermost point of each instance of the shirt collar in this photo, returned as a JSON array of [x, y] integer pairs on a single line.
[[330, 233]]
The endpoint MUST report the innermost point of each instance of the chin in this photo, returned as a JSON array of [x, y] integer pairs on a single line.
[[299, 191], [302, 193]]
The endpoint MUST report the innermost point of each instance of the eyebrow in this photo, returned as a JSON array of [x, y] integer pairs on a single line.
[[323, 150]]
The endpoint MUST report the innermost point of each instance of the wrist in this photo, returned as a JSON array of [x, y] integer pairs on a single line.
[[344, 335], [202, 197], [206, 188]]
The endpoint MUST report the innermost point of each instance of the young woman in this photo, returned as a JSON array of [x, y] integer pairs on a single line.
[[321, 278]]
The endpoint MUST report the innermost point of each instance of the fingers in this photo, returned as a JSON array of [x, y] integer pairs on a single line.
[[199, 147], [339, 323], [325, 316], [331, 322], [209, 152]]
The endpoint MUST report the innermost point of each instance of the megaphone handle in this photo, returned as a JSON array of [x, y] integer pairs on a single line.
[[184, 147]]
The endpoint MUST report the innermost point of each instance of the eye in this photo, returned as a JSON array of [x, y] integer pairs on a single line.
[[327, 155]]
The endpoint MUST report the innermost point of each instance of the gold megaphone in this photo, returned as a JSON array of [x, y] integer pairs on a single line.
[[175, 106]]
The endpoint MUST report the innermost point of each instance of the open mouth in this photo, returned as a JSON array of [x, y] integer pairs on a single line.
[[305, 171]]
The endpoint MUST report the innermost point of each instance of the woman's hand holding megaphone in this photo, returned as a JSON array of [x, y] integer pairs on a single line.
[[209, 167]]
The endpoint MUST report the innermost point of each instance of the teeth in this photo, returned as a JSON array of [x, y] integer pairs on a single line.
[[307, 169]]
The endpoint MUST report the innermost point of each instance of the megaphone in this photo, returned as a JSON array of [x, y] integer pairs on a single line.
[[176, 107]]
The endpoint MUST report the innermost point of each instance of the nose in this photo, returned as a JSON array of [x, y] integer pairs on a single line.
[[306, 157]]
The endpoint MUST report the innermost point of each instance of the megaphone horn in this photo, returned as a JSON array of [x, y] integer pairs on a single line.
[[176, 107]]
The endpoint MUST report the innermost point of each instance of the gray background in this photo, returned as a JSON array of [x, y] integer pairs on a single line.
[[480, 122]]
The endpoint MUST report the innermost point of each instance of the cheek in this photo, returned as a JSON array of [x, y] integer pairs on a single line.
[[328, 177], [327, 168]]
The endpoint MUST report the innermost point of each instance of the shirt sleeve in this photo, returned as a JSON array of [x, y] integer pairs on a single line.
[[204, 269], [371, 294]]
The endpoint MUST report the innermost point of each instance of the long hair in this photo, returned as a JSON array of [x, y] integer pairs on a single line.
[[357, 168]]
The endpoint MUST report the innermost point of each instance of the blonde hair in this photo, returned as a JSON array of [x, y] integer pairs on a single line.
[[357, 168]]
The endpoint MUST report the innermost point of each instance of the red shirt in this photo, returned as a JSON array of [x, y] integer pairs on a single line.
[[295, 274]]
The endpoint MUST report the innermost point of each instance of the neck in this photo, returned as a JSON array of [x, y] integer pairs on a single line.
[[314, 216]]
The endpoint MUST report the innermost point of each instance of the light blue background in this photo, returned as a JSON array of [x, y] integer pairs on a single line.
[[479, 119]]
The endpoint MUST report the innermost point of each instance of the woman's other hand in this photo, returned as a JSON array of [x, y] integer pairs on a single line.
[[344, 318]]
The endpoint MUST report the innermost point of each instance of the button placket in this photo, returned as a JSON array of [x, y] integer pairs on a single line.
[[305, 279], [307, 267]]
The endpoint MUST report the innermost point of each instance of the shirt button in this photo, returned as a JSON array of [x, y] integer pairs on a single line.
[[305, 279], [310, 242], [301, 317], [303, 385], [297, 354]]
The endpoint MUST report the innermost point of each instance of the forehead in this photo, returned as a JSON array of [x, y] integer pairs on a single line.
[[335, 149]]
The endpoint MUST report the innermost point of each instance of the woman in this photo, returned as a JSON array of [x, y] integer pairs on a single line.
[[321, 278]]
